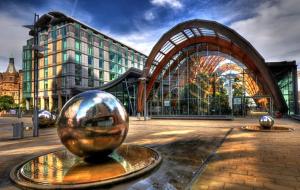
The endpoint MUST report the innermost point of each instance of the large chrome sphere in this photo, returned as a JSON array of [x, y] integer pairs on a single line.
[[266, 121], [92, 124], [46, 118]]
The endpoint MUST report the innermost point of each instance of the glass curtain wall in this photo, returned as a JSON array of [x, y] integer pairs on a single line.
[[199, 81], [286, 86], [126, 93]]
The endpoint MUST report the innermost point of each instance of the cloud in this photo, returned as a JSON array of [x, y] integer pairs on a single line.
[[142, 40], [149, 15], [274, 31], [13, 37], [15, 14], [175, 4]]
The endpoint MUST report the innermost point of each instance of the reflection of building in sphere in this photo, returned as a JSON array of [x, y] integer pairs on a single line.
[[92, 123]]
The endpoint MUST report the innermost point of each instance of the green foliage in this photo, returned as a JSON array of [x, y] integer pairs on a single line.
[[6, 103]]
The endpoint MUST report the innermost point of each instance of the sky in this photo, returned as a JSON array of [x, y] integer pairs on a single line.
[[271, 26]]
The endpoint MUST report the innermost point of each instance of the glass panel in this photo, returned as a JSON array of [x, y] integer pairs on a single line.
[[64, 44], [77, 45], [77, 58]]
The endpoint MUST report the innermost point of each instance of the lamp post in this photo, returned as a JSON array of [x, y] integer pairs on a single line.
[[19, 109], [34, 31]]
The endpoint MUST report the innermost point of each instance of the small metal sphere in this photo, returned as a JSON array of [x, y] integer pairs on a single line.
[[46, 118], [266, 121], [92, 123]]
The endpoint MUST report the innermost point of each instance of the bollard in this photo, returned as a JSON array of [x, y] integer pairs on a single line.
[[18, 130]]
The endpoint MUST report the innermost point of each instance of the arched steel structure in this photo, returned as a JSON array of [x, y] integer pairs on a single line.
[[170, 45]]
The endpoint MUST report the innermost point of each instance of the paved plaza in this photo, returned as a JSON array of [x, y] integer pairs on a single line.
[[197, 154]]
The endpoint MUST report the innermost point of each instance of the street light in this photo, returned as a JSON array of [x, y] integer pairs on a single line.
[[19, 109], [34, 32]]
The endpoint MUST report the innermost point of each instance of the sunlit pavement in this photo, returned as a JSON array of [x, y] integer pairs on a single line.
[[246, 160]]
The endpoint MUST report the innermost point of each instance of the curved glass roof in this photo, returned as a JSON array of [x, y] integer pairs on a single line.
[[183, 36]]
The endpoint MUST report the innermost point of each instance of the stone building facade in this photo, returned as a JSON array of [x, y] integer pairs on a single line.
[[11, 82]]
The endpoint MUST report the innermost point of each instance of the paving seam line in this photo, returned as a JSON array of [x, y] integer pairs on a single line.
[[203, 166]]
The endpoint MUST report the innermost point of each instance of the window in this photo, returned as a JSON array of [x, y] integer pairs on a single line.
[[77, 45], [77, 30], [90, 60], [54, 58], [46, 73], [113, 67], [101, 74], [120, 59], [77, 58], [63, 31], [54, 71], [90, 50], [101, 53], [46, 61], [126, 62], [112, 76], [90, 77], [64, 69], [78, 73], [53, 33], [46, 50], [54, 47], [90, 37], [100, 42], [65, 57], [46, 85], [64, 44], [112, 56], [120, 69], [101, 63]]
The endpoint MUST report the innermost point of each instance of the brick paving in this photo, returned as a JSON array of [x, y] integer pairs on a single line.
[[246, 160], [255, 160]]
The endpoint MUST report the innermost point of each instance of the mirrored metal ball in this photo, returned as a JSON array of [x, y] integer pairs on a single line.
[[46, 118], [266, 121], [92, 124]]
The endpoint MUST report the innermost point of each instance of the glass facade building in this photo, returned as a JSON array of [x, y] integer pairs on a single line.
[[207, 83], [74, 56], [286, 77], [201, 68]]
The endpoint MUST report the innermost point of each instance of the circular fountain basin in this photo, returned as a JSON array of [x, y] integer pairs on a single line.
[[63, 170], [258, 128]]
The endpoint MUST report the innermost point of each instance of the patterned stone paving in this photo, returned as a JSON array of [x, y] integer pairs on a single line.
[[255, 160], [246, 160]]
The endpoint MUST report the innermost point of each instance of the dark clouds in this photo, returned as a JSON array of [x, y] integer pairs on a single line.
[[140, 23]]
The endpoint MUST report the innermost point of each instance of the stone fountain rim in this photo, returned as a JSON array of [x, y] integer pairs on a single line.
[[246, 128], [17, 180]]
